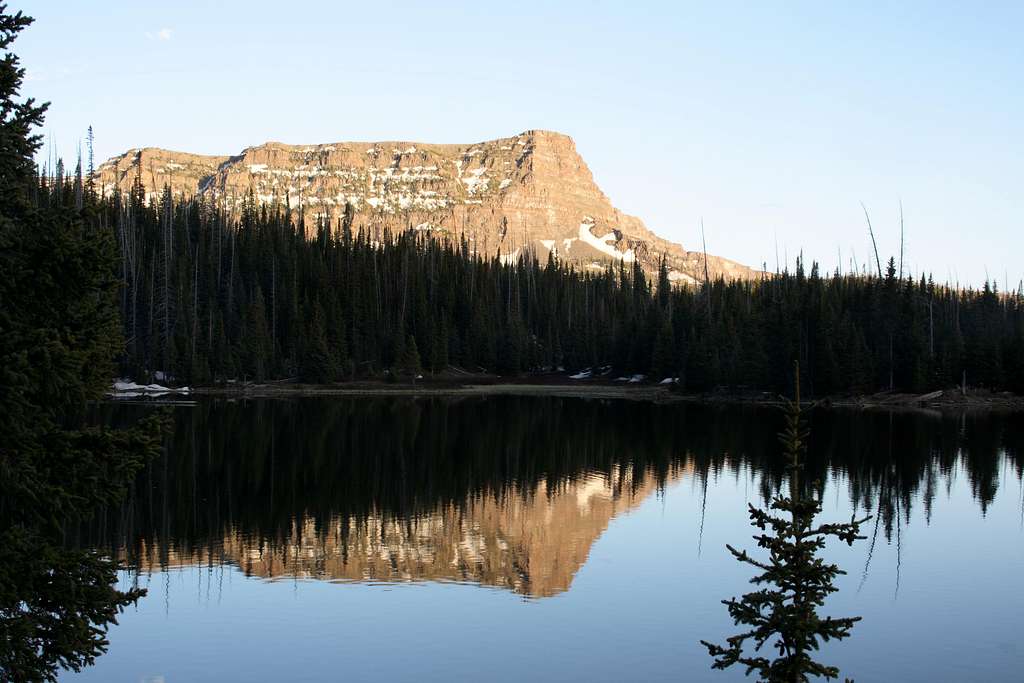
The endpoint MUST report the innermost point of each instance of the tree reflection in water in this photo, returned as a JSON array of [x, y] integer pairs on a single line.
[[393, 489]]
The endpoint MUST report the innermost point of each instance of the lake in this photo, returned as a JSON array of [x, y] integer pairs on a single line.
[[547, 539]]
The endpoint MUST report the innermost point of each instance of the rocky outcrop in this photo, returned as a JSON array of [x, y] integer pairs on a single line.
[[528, 193]]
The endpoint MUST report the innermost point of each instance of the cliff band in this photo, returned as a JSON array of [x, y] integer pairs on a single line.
[[528, 193]]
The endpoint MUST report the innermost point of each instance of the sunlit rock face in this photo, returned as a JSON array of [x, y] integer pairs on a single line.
[[530, 541], [531, 193]]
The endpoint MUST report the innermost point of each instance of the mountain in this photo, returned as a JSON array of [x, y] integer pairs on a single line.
[[532, 192]]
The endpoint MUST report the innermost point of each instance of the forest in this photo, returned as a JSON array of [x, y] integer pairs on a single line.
[[267, 293]]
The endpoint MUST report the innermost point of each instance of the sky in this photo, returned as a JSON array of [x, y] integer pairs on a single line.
[[771, 124]]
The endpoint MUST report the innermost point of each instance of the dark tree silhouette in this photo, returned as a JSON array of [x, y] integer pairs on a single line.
[[797, 581], [59, 334], [409, 359], [211, 294]]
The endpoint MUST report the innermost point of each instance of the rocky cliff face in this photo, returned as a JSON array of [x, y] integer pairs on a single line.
[[528, 193]]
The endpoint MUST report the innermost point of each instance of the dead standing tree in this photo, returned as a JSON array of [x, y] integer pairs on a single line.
[[874, 244]]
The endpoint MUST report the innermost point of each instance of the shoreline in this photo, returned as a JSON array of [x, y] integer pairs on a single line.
[[942, 401]]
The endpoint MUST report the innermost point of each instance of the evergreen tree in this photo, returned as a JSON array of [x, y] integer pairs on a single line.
[[798, 580], [439, 347], [255, 340], [409, 361], [59, 333], [664, 364], [318, 363]]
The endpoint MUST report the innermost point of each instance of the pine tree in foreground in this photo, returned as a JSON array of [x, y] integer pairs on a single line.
[[796, 579], [59, 334]]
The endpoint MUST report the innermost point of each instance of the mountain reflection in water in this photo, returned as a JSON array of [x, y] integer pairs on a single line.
[[505, 492], [579, 516], [530, 541]]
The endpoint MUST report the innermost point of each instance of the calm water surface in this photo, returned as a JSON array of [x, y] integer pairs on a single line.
[[548, 540]]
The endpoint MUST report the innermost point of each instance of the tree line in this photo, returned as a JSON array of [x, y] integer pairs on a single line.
[[263, 293]]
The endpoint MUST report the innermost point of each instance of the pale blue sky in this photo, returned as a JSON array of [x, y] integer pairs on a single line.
[[762, 120]]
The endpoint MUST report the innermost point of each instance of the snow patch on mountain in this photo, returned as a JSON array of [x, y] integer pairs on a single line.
[[601, 243]]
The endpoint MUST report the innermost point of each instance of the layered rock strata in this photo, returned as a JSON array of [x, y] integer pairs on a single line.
[[531, 193]]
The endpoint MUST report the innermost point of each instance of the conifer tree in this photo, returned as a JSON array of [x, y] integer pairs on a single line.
[[663, 364], [318, 364], [256, 338], [409, 361], [784, 614], [439, 347], [59, 333]]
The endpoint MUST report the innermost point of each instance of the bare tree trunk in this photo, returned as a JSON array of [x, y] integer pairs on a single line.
[[168, 248], [901, 239], [152, 307], [273, 310], [874, 244], [707, 274], [931, 328], [892, 384], [130, 273], [195, 304], [231, 276]]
